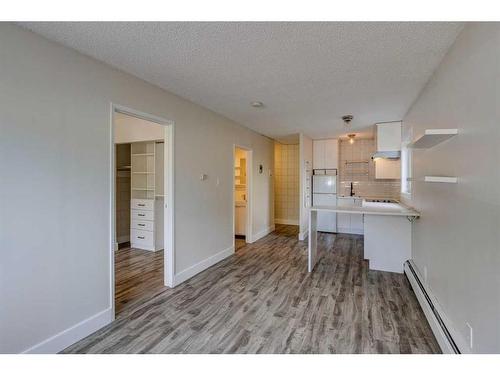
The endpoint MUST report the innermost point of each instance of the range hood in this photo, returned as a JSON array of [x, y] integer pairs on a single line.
[[388, 140], [387, 155]]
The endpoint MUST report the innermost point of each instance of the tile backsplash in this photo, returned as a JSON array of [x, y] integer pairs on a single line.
[[356, 166], [286, 183]]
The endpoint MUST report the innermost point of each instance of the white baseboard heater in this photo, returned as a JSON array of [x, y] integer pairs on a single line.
[[442, 333]]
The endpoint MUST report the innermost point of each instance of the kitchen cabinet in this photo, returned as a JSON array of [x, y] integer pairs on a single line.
[[325, 154], [389, 136], [387, 242], [357, 220], [240, 219], [349, 223], [387, 169], [344, 220], [147, 196], [388, 140]]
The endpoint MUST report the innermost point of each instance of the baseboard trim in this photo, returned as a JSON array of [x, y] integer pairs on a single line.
[[140, 247], [448, 339], [122, 239], [341, 230], [73, 334], [286, 221], [202, 266], [263, 233], [303, 235]]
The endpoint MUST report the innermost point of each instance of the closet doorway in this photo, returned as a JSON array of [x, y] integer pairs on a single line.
[[242, 218], [142, 254]]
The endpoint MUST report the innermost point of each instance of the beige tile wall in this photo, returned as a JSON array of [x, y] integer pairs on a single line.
[[286, 183], [363, 174]]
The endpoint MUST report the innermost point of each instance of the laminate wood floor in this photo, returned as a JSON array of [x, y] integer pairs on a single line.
[[263, 300], [239, 243], [138, 276]]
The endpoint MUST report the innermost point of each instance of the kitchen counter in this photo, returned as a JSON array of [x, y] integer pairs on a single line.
[[402, 211], [387, 234], [364, 197]]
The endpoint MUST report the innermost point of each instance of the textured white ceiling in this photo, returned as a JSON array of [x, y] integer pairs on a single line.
[[307, 74]]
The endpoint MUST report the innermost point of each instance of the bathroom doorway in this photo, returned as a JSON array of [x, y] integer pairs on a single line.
[[241, 197]]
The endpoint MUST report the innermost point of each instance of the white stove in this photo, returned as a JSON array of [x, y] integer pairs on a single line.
[[381, 203], [381, 200]]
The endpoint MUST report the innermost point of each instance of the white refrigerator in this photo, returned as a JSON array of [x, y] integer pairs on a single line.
[[325, 194]]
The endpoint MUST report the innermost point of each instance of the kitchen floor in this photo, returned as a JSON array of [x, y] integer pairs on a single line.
[[138, 276], [263, 300]]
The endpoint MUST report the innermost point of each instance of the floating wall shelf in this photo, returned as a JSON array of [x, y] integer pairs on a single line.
[[356, 161], [442, 179], [432, 137]]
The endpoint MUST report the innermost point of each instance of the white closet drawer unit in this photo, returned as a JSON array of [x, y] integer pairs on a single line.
[[142, 215], [142, 225], [142, 204], [142, 238]]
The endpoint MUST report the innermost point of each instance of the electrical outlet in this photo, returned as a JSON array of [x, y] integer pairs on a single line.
[[470, 337], [425, 274]]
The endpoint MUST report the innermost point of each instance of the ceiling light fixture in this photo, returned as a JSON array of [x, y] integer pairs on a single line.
[[257, 104], [351, 138], [347, 119]]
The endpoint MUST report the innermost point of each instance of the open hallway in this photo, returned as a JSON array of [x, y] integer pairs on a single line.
[[263, 300]]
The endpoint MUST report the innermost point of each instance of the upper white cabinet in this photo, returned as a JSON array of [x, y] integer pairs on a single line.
[[389, 136], [319, 154], [325, 154], [388, 140], [331, 153]]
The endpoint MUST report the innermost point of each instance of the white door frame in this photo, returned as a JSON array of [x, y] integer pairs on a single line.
[[249, 175], [169, 243]]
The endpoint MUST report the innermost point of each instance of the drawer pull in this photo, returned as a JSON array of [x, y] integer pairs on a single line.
[[141, 204], [141, 237], [141, 225], [141, 215]]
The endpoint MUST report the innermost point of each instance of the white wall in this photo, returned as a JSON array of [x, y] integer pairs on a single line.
[[55, 194], [457, 238], [131, 129], [305, 155]]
